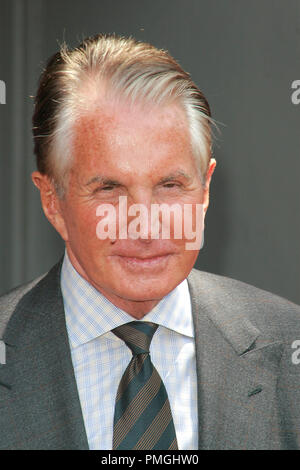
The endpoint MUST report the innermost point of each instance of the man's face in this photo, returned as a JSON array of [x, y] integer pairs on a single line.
[[146, 157]]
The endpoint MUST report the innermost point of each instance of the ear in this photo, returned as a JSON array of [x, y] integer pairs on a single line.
[[210, 170], [51, 203]]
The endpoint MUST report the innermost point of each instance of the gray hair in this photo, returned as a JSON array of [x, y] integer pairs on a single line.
[[133, 70]]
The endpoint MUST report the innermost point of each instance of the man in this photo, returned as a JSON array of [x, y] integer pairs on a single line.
[[122, 345]]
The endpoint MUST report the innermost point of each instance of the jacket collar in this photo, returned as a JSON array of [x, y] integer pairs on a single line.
[[209, 299]]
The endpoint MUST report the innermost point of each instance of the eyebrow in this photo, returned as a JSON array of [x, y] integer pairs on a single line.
[[102, 180], [174, 176], [108, 181]]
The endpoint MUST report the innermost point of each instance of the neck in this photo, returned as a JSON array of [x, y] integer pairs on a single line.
[[136, 308]]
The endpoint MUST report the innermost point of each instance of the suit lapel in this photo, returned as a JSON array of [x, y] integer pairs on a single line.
[[237, 373], [38, 395]]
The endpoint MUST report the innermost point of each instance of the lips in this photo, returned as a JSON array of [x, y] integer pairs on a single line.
[[138, 256], [144, 249], [136, 263]]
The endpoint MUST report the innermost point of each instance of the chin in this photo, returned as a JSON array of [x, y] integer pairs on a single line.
[[143, 290], [144, 296]]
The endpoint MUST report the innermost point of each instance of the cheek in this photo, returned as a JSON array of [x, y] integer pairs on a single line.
[[188, 221], [81, 224], [193, 219]]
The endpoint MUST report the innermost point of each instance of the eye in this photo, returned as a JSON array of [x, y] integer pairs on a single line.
[[104, 189], [171, 185]]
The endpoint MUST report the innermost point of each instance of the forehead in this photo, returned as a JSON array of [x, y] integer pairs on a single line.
[[132, 137]]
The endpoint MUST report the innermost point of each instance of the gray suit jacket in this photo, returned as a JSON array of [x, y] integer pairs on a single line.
[[248, 385]]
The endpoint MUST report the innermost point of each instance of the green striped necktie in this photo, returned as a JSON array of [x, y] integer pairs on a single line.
[[142, 418]]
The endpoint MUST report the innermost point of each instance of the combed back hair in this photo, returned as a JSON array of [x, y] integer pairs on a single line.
[[135, 71]]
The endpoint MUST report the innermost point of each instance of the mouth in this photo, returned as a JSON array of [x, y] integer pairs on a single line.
[[134, 263]]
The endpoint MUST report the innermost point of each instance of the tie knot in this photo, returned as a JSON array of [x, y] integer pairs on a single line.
[[137, 335]]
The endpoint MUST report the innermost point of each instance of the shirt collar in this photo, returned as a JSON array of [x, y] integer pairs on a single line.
[[90, 314]]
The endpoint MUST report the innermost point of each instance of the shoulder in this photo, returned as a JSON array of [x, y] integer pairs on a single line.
[[30, 295], [10, 300], [264, 309]]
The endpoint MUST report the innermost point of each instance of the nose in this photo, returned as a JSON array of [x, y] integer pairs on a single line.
[[140, 223]]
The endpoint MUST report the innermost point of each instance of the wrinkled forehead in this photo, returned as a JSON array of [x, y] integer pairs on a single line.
[[110, 131]]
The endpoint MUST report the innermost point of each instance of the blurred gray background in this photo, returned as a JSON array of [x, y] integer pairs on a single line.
[[244, 55]]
